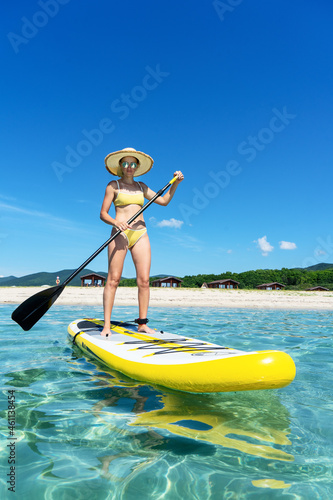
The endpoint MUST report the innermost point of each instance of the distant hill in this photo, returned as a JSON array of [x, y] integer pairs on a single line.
[[6, 278], [43, 278], [319, 267]]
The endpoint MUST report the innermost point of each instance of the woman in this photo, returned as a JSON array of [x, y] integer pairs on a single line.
[[128, 196]]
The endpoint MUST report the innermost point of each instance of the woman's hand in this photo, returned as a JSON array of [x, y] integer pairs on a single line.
[[123, 226], [179, 175]]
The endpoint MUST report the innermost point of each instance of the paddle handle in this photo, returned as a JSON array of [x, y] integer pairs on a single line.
[[135, 216]]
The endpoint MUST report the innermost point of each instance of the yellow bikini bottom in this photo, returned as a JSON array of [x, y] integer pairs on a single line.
[[133, 235]]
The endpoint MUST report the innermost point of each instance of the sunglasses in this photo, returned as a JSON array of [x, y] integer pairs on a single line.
[[125, 164]]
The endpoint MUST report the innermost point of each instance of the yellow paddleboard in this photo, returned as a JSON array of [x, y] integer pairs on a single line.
[[179, 362]]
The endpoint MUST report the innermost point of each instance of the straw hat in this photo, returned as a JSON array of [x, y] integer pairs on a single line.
[[112, 161]]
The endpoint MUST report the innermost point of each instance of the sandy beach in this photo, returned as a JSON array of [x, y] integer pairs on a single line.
[[183, 297]]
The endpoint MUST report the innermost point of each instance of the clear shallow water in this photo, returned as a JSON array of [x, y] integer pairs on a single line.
[[86, 432]]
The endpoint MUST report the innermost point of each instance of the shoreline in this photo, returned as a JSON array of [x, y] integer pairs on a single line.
[[183, 297]]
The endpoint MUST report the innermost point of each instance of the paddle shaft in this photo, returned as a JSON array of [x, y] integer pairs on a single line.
[[135, 216]]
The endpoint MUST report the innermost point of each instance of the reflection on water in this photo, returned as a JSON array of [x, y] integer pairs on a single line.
[[239, 421], [85, 431]]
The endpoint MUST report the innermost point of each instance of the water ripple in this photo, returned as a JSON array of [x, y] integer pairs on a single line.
[[85, 431]]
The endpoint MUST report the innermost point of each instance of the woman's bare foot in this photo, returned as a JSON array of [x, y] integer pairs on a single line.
[[145, 329], [106, 332]]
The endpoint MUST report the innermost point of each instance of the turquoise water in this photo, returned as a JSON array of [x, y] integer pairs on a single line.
[[84, 431]]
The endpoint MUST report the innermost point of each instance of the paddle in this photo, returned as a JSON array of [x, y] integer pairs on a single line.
[[33, 308]]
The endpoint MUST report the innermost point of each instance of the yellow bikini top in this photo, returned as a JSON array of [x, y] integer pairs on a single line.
[[123, 199]]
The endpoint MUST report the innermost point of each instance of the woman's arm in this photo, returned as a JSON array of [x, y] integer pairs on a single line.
[[104, 214], [108, 199], [163, 200]]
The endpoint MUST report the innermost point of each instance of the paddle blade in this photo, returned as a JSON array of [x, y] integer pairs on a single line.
[[33, 308]]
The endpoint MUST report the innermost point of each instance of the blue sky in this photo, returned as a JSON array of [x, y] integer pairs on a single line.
[[236, 94]]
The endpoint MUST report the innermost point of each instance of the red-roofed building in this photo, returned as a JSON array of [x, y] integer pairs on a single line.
[[271, 286], [92, 279], [168, 282], [228, 283], [318, 289]]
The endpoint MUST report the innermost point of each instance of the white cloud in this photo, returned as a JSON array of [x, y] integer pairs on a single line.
[[229, 251], [170, 223], [264, 246], [167, 223], [287, 245], [319, 251]]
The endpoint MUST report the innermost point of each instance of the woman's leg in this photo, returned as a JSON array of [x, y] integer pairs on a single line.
[[141, 255], [117, 250]]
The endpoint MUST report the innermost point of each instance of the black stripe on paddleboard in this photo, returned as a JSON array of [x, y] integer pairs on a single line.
[[188, 347], [93, 354], [88, 325], [182, 349]]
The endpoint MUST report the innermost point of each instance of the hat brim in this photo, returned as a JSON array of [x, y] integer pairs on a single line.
[[112, 162]]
